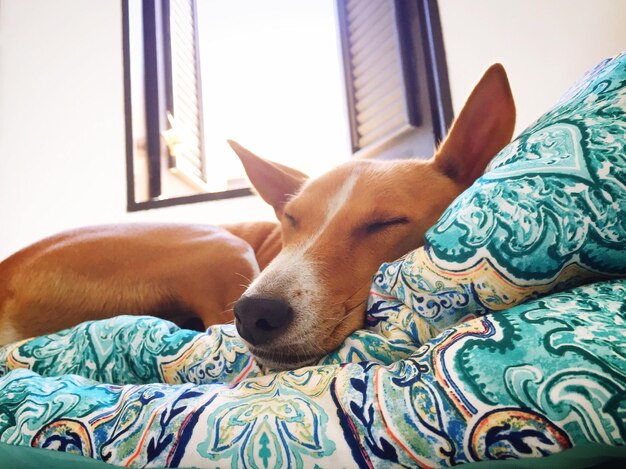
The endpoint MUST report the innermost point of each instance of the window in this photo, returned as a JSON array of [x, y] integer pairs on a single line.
[[339, 77], [396, 81]]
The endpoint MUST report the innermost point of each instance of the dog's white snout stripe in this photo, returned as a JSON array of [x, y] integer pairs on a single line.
[[293, 276], [336, 202]]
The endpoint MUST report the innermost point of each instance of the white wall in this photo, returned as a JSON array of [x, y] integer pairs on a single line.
[[62, 153], [545, 45]]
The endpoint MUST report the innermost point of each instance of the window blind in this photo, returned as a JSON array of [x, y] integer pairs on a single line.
[[184, 100], [380, 87]]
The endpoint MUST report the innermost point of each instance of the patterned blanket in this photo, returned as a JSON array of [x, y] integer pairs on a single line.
[[491, 342], [528, 382]]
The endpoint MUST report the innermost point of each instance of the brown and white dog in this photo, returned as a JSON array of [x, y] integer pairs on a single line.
[[316, 264]]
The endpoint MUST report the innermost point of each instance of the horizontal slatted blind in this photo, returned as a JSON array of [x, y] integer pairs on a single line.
[[185, 105], [373, 63]]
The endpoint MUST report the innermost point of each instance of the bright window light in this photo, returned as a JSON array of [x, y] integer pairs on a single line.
[[271, 80]]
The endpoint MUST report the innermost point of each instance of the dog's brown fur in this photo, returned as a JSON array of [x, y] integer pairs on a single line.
[[190, 274]]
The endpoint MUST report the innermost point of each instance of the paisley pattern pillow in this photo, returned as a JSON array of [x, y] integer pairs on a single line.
[[548, 214]]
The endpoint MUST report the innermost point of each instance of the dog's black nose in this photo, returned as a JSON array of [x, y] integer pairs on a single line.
[[260, 320]]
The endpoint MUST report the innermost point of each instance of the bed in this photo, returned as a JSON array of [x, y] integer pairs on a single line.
[[503, 338]]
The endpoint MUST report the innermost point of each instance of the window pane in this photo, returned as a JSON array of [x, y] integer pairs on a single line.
[[272, 80]]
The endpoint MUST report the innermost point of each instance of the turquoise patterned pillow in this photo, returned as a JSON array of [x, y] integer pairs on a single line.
[[548, 214]]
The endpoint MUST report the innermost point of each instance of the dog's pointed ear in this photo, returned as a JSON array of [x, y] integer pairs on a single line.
[[274, 182], [484, 126]]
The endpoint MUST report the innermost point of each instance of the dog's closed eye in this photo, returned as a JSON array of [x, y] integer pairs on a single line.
[[293, 221], [381, 225]]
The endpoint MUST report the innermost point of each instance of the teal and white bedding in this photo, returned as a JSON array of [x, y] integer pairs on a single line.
[[504, 337]]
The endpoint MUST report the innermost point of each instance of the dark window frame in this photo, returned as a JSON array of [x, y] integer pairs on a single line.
[[419, 26], [436, 68]]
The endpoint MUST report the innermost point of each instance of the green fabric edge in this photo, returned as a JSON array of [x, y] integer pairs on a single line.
[[579, 457], [25, 457]]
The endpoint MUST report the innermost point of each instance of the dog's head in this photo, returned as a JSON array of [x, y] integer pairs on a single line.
[[338, 228]]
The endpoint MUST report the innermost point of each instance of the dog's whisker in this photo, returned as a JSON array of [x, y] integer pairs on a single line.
[[352, 311], [349, 312], [353, 294], [228, 310], [245, 278], [320, 349]]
